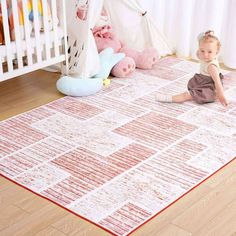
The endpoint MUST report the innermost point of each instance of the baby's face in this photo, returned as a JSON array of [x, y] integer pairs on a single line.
[[208, 50]]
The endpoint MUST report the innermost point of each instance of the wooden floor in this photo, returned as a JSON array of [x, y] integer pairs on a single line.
[[210, 209]]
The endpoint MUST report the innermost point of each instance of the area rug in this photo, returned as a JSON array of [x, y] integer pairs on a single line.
[[118, 158]]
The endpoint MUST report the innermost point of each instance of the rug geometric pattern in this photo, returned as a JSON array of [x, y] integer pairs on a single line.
[[117, 158]]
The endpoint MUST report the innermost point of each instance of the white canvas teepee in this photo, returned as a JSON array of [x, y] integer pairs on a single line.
[[131, 20]]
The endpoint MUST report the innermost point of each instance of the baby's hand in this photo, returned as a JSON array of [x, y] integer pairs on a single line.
[[223, 100]]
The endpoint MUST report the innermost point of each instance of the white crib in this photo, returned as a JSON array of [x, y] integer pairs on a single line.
[[38, 42]]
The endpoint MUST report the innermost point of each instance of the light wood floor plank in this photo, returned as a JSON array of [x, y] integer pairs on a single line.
[[70, 225], [9, 215], [31, 203], [223, 224], [49, 231], [194, 218], [4, 184], [173, 230], [13, 194], [27, 92], [35, 222]]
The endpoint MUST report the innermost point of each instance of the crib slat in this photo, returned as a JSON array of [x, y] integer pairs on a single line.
[[7, 36], [46, 16], [55, 22], [37, 30], [64, 26], [17, 34], [27, 29], [1, 70]]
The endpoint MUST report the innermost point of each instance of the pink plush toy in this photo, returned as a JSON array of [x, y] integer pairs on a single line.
[[105, 37]]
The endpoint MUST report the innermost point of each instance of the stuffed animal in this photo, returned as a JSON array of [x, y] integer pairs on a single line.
[[73, 86], [40, 14], [146, 59], [108, 58], [31, 17], [82, 10], [21, 21]]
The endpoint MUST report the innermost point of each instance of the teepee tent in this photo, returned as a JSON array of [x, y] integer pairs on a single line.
[[131, 20]]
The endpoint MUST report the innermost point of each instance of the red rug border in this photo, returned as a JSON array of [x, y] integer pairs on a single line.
[[191, 189], [82, 217], [107, 230]]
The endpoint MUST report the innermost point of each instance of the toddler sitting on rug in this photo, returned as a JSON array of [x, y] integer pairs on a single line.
[[206, 86]]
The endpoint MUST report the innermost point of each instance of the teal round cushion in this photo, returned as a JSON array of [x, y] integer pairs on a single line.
[[79, 87]]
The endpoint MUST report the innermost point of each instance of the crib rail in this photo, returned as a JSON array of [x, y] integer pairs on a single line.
[[34, 33]]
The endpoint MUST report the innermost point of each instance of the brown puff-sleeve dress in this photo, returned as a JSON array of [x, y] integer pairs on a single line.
[[202, 87]]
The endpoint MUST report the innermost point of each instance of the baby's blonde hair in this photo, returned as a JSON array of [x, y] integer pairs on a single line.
[[209, 37]]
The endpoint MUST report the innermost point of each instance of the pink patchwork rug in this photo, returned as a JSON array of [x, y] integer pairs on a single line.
[[118, 158]]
